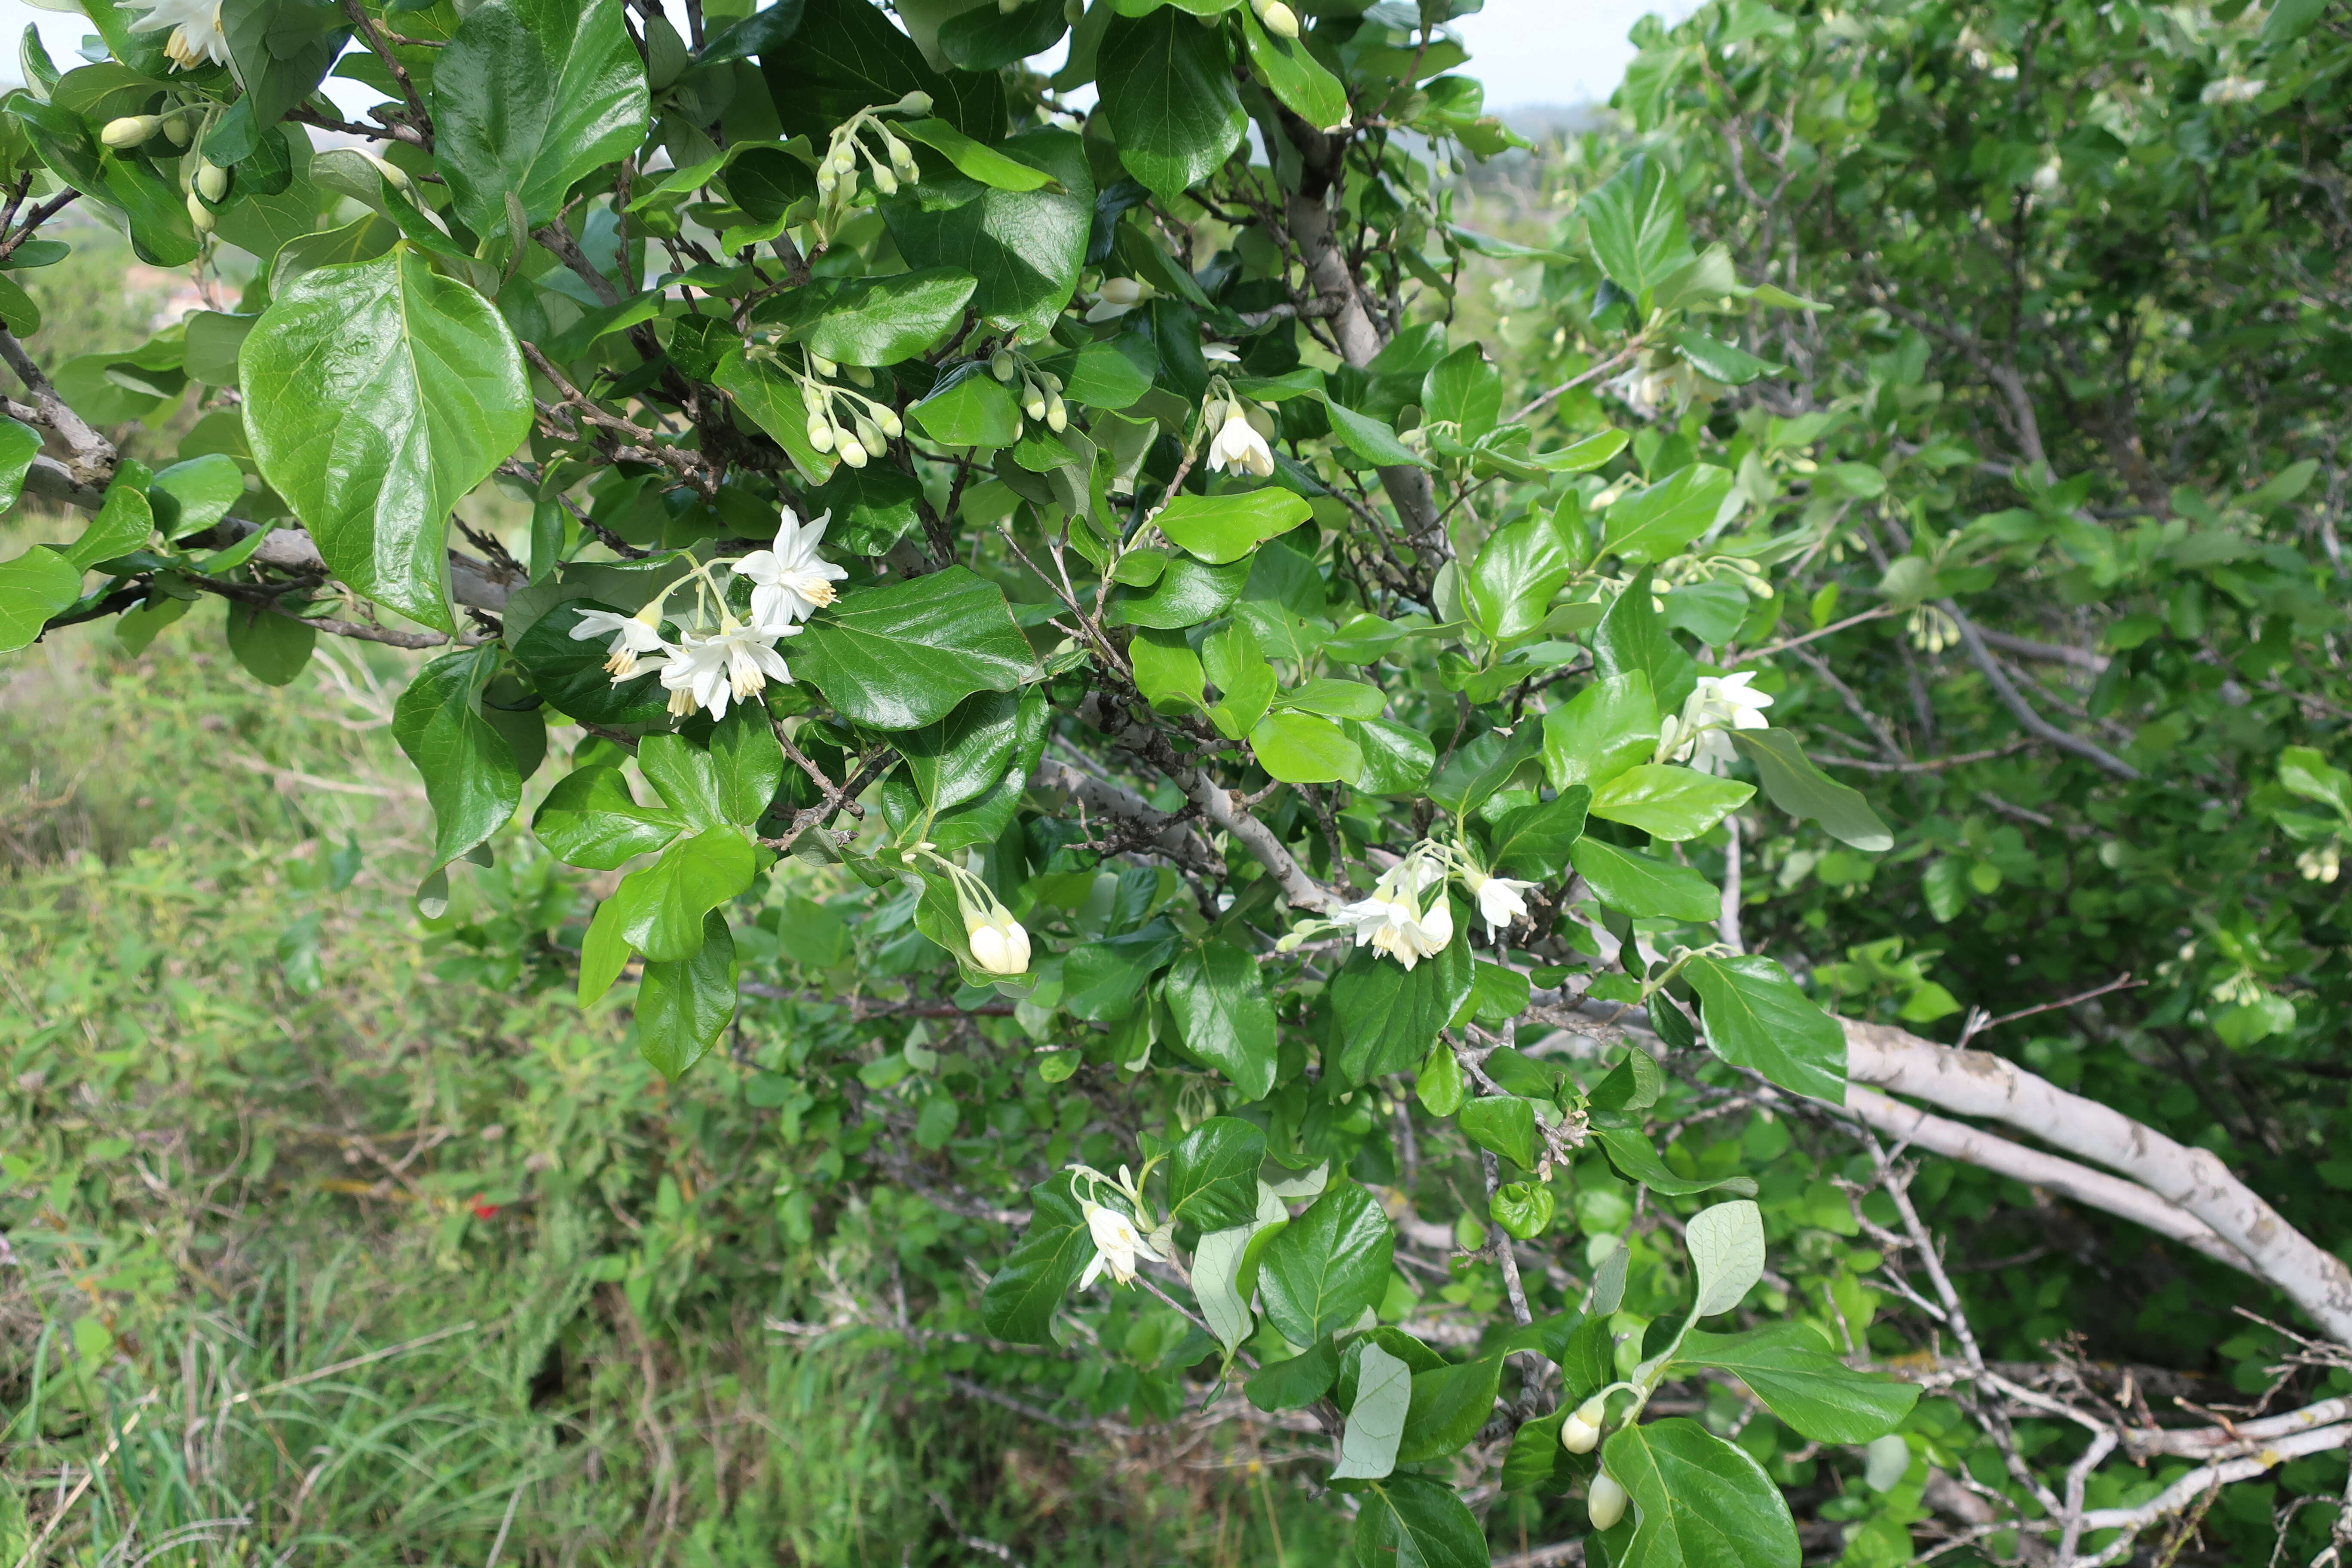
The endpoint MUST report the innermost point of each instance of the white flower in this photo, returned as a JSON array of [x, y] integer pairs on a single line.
[[1392, 920], [1719, 703], [1118, 1244], [792, 581], [631, 635], [1501, 900], [196, 36], [1000, 945], [1239, 449], [2231, 90], [1119, 296], [1219, 353], [733, 662]]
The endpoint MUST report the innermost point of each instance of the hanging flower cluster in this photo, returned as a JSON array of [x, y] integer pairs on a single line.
[[1239, 445], [1408, 915], [719, 659], [1719, 702]]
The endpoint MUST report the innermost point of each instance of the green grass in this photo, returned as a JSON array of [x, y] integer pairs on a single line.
[[322, 1252]]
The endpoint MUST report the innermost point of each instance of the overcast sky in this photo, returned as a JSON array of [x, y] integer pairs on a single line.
[[1529, 53]]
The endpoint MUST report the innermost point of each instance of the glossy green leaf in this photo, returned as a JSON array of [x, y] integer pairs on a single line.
[[529, 96], [1105, 980], [1419, 1521], [685, 1005], [1659, 521], [970, 407], [469, 769], [1644, 885], [1449, 1406], [19, 445], [772, 400], [1294, 75], [845, 56], [1386, 1015], [1524, 1209], [1300, 748], [1019, 1303], [1464, 390], [1297, 1382], [377, 394], [1637, 1160], [1327, 1266], [1219, 1001], [273, 648], [1534, 841], [1506, 1124], [1518, 569], [900, 656], [974, 159], [590, 819], [123, 522], [1719, 361], [662, 905], [1669, 802], [1187, 593], [964, 755], [1636, 222], [1606, 727], [1372, 440], [604, 953], [1212, 1174], [1167, 83], [1397, 757], [1755, 1018], [1216, 1268], [1790, 1368], [1793, 783], [1698, 1502], [1227, 527], [989, 37], [569, 672], [33, 587], [1632, 639], [191, 496], [1024, 248], [880, 321]]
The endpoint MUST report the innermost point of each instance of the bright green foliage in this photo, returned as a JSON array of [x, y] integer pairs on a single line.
[[1079, 659]]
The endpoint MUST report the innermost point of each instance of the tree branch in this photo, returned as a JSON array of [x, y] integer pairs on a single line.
[[2022, 710]]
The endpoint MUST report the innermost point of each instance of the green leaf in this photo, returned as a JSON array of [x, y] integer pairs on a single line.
[[1167, 83], [662, 905], [1610, 726], [688, 777], [33, 587], [1657, 521], [1719, 361], [191, 496], [528, 97], [19, 445], [1518, 570], [1464, 390], [1669, 802], [1385, 1016], [1637, 1160], [1439, 1084], [1642, 886], [1188, 593], [1636, 222], [1372, 440], [590, 819], [879, 320], [272, 647], [1212, 1174], [1534, 841], [1167, 669], [1798, 787], [1634, 1084], [377, 394], [1488, 762], [469, 769], [1755, 1018], [1105, 980], [964, 755], [124, 520], [17, 312], [2308, 774], [1789, 1367], [969, 407], [1216, 1269], [1327, 1266], [685, 1005], [1297, 1382], [1417, 1522], [1219, 1001], [1223, 528], [279, 51], [1397, 757], [1524, 1209], [772, 400], [988, 38], [1019, 1302], [1300, 748], [750, 762], [1698, 1500], [152, 207], [1449, 1406], [1535, 1456], [974, 159], [1506, 1124], [1367, 1446], [847, 57], [900, 656], [1294, 76], [1632, 639], [570, 673], [767, 30], [1026, 247]]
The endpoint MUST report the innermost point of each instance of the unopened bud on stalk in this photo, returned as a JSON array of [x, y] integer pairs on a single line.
[[820, 431], [1581, 1431], [176, 132], [1057, 413], [823, 366], [1032, 400], [1605, 1505], [199, 215], [212, 180], [859, 375], [892, 426], [851, 452], [915, 103], [131, 129], [1002, 364], [813, 401], [884, 181], [1279, 19]]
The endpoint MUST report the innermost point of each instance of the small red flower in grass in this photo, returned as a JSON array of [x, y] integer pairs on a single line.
[[484, 1209]]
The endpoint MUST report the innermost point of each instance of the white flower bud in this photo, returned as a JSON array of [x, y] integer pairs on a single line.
[[1000, 945], [884, 181], [212, 180], [1032, 400], [1605, 1505], [851, 452], [915, 103], [1279, 19], [1580, 1433], [823, 366], [989, 950], [859, 375], [820, 431], [131, 129], [1057, 412], [892, 426], [199, 215], [812, 399], [1001, 366], [177, 132]]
